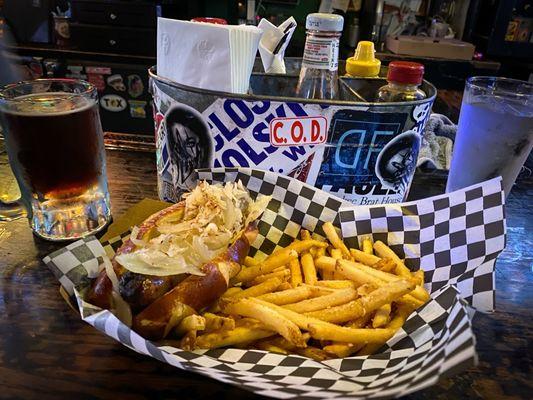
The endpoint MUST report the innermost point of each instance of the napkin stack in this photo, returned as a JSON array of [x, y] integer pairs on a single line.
[[207, 56]]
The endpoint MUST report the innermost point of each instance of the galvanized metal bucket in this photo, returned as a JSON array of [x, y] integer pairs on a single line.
[[362, 151]]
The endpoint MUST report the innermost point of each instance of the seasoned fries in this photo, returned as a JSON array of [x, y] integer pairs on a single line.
[[276, 260], [309, 270], [333, 237], [282, 274], [289, 296], [350, 335], [385, 251], [337, 297], [296, 273], [241, 334], [190, 323], [336, 284], [363, 257], [382, 316], [267, 286], [270, 318], [215, 322], [315, 297], [366, 304], [250, 262], [367, 246]]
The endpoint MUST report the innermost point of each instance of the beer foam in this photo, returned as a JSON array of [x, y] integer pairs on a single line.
[[49, 104]]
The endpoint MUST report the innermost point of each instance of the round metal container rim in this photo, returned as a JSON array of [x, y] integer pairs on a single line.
[[153, 75]]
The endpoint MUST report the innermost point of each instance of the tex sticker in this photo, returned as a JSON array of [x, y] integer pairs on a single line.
[[98, 70], [135, 85], [137, 108], [298, 131], [113, 103], [116, 82], [97, 80]]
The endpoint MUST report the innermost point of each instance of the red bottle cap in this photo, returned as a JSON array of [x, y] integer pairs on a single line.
[[210, 20], [405, 72]]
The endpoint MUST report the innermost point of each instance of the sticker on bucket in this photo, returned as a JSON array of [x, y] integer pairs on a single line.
[[357, 140], [298, 131], [363, 153]]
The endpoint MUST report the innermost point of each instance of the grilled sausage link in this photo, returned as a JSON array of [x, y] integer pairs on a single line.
[[195, 292]]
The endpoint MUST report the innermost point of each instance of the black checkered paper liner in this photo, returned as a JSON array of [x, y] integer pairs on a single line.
[[436, 341], [455, 238]]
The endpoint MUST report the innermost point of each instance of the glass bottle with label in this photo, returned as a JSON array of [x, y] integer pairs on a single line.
[[318, 75], [403, 79]]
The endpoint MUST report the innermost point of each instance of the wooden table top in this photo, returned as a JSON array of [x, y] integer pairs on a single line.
[[48, 352]]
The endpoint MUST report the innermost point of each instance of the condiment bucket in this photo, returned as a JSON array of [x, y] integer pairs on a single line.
[[361, 151]]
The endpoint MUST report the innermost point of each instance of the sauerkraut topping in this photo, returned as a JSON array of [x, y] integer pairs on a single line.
[[214, 216]]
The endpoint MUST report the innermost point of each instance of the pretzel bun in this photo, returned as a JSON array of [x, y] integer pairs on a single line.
[[162, 285], [195, 292], [137, 290]]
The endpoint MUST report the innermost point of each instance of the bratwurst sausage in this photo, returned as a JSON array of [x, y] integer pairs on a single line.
[[195, 292]]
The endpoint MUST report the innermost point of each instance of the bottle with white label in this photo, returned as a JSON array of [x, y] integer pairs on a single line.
[[318, 76]]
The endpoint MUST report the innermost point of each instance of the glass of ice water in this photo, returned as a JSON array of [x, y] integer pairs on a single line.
[[495, 133]]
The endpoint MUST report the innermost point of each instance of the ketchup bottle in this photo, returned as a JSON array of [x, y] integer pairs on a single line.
[[404, 79]]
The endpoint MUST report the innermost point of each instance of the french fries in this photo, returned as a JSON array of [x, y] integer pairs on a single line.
[[319, 303], [315, 353], [289, 296], [308, 268], [276, 260], [363, 257], [296, 272], [341, 349], [232, 291], [366, 304], [385, 251], [419, 292], [337, 255], [350, 335], [190, 323], [283, 274], [367, 246], [215, 322], [336, 284], [262, 288], [402, 313], [233, 337], [382, 316], [315, 297], [270, 318], [285, 286], [333, 237], [250, 262]]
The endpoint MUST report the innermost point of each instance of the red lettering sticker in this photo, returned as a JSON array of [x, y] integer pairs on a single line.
[[298, 131]]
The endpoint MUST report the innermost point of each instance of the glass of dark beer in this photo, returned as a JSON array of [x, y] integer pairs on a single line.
[[55, 147]]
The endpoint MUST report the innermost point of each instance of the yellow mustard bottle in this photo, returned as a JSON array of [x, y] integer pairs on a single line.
[[364, 63]]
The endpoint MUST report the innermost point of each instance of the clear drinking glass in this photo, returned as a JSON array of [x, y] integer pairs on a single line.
[[495, 133], [55, 147]]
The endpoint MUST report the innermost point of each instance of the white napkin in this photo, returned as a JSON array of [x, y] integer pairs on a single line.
[[207, 56], [272, 35]]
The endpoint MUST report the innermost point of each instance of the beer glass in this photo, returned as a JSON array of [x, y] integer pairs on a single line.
[[55, 147], [495, 133]]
